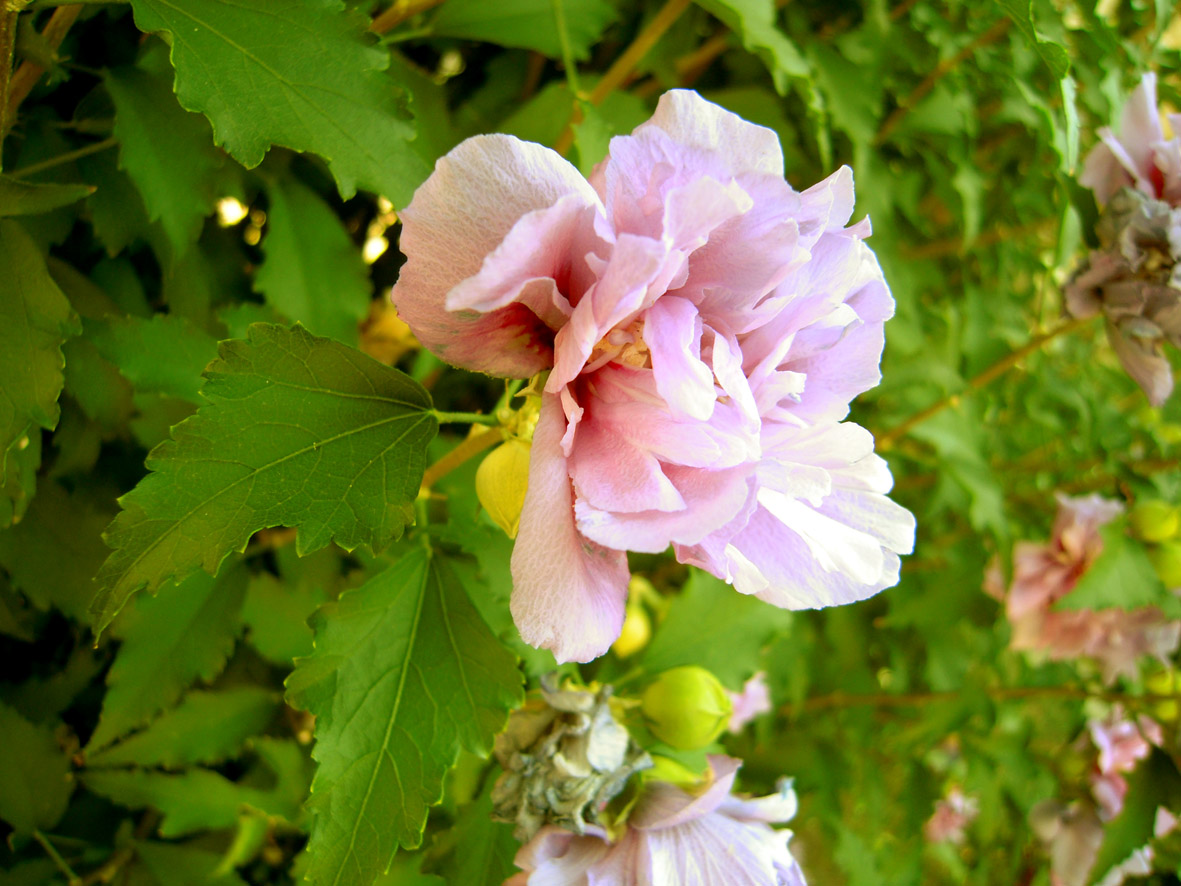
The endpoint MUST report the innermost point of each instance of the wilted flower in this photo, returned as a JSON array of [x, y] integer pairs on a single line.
[[1133, 279], [674, 837], [704, 327], [753, 700], [1072, 835], [952, 814], [564, 757], [1121, 743], [1045, 573]]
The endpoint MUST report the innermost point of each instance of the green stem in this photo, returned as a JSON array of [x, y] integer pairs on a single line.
[[60, 862], [469, 448], [567, 52], [69, 157], [465, 418], [8, 18]]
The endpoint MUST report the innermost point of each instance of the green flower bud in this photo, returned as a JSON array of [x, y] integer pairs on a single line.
[[1155, 520], [502, 481], [1166, 560], [686, 707]]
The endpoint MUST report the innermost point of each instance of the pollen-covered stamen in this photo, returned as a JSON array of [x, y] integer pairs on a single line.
[[623, 344]]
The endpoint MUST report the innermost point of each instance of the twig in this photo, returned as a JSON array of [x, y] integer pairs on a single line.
[[399, 12], [469, 448], [921, 699], [941, 70], [55, 856], [27, 75], [888, 439], [68, 157]]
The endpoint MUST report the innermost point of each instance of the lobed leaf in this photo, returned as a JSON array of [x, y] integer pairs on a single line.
[[298, 431], [35, 773], [405, 674], [526, 24]]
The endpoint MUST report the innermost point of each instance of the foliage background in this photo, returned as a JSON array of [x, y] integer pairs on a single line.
[[179, 748]]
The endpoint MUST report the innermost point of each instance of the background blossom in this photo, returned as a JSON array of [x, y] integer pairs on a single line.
[[704, 326]]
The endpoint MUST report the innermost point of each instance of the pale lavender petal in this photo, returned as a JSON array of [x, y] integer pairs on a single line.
[[612, 473], [667, 806], [753, 701], [672, 330], [568, 593]]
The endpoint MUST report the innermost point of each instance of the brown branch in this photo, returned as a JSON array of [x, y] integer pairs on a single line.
[[469, 448], [27, 75], [941, 70], [921, 699], [399, 12]]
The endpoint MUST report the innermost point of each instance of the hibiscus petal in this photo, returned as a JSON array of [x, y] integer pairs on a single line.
[[568, 593], [610, 472], [672, 331]]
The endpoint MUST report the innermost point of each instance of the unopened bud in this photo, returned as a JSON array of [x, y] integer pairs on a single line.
[[686, 707], [1155, 520], [637, 630], [1166, 560], [501, 483]]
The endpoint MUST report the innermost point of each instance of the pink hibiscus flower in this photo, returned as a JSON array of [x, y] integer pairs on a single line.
[[704, 327], [674, 838]]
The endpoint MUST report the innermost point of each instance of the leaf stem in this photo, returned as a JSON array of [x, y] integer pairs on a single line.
[[469, 448], [68, 157], [55, 856], [567, 52], [465, 418], [399, 12], [8, 18], [891, 437], [623, 66], [27, 75]]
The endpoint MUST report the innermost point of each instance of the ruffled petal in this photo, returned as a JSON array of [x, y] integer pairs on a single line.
[[672, 331], [568, 592]]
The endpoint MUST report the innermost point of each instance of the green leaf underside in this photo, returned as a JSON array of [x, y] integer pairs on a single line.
[[404, 675], [299, 431], [206, 727], [184, 634], [312, 272], [34, 773], [300, 76], [525, 24], [166, 152], [29, 198], [35, 319]]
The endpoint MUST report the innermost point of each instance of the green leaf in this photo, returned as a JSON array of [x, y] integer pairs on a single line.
[[754, 21], [484, 849], [525, 24], [1053, 54], [167, 153], [184, 865], [299, 431], [276, 614], [102, 393], [1155, 782], [1121, 576], [194, 800], [35, 773], [206, 727], [312, 272], [1070, 134], [53, 552], [711, 625], [162, 355], [185, 633], [405, 675], [304, 78], [19, 197], [18, 477], [35, 319]]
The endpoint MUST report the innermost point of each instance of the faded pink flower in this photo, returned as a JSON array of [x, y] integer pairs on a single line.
[[704, 327], [673, 838], [1140, 157], [952, 814], [1072, 835], [753, 700], [1044, 573], [1121, 743]]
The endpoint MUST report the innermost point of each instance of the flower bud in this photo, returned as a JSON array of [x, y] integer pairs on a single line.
[[1155, 520], [637, 630], [501, 483], [686, 707], [1166, 560]]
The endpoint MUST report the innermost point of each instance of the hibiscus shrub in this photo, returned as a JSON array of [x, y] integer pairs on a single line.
[[589, 442]]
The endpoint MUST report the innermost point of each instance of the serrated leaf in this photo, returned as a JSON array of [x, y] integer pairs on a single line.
[[299, 431], [712, 626], [35, 319], [1154, 783], [190, 801], [312, 272], [1121, 576], [484, 849], [276, 615], [184, 634], [405, 675], [526, 24], [18, 477], [162, 355], [1053, 54], [53, 552], [754, 21], [19, 197], [167, 153], [104, 395], [301, 77], [206, 727], [35, 773]]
